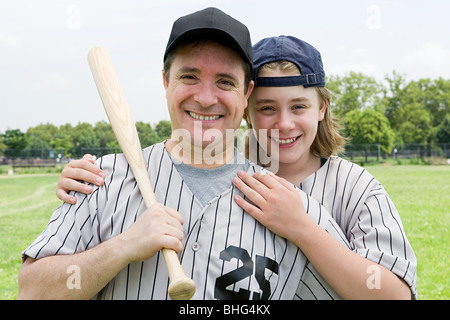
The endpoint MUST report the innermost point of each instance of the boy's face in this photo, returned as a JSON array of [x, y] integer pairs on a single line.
[[205, 92], [290, 115]]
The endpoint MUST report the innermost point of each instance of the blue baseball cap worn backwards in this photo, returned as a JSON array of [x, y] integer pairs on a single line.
[[302, 54]]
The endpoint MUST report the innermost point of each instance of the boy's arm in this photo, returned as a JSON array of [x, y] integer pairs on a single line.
[[280, 208]]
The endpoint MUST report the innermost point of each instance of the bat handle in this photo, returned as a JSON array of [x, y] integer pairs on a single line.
[[181, 287]]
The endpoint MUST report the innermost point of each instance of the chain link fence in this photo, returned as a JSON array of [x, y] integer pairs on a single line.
[[409, 153], [358, 153]]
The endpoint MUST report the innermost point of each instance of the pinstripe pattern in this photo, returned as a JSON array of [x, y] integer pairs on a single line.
[[366, 214], [226, 252]]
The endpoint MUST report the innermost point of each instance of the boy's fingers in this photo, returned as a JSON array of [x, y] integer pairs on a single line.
[[89, 158], [283, 181], [82, 175], [73, 185], [254, 211], [266, 179], [248, 189], [64, 196], [88, 164]]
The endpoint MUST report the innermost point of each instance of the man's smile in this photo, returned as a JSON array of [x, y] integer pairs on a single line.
[[203, 117]]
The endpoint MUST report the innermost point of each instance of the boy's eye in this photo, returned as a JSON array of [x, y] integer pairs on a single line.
[[266, 109]]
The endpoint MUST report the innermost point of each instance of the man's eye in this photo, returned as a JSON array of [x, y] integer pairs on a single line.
[[188, 78], [226, 84]]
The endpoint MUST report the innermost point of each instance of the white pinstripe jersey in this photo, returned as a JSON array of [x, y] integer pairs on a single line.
[[366, 214], [226, 252]]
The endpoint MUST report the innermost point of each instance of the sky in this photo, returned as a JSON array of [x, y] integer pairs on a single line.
[[45, 77]]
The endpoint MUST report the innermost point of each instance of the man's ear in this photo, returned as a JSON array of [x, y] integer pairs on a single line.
[[250, 88], [165, 80], [251, 85]]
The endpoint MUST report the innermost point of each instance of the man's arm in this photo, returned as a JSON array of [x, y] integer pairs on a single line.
[[47, 278]]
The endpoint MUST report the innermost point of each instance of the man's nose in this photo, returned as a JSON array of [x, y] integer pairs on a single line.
[[206, 95]]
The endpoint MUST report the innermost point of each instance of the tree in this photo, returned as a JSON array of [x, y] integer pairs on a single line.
[[63, 142], [15, 141], [369, 127], [105, 135], [42, 134], [443, 132], [163, 130], [67, 130], [416, 109], [354, 91], [83, 138], [416, 124], [434, 95], [2, 144], [393, 98], [147, 135], [37, 143]]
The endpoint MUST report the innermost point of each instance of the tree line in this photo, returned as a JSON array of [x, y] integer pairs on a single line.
[[391, 112], [73, 141]]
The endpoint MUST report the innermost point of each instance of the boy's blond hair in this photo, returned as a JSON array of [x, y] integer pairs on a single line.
[[328, 140]]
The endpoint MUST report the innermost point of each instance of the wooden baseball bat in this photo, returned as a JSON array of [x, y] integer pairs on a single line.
[[181, 287]]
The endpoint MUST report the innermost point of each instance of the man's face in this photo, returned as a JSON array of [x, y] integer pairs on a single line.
[[205, 91]]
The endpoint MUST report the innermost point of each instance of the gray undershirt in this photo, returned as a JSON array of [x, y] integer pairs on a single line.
[[207, 184]]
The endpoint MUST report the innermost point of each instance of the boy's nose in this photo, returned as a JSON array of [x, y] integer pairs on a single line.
[[284, 122]]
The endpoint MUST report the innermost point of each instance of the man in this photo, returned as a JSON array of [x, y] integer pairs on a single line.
[[112, 241]]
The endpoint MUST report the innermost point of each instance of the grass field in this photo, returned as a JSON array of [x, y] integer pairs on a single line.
[[420, 193], [422, 196]]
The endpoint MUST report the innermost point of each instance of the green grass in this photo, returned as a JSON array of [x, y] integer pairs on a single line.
[[26, 203], [420, 193], [422, 197]]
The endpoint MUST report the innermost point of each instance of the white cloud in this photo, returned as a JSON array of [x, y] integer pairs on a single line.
[[51, 82], [365, 68], [9, 41], [429, 61]]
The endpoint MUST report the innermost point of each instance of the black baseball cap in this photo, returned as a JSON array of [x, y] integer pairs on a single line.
[[288, 48], [212, 23]]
